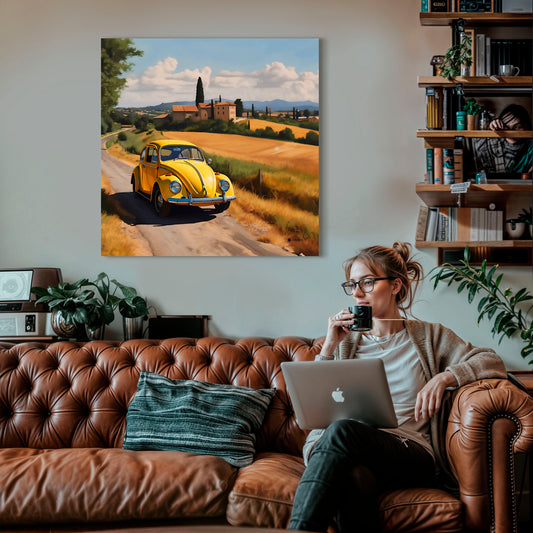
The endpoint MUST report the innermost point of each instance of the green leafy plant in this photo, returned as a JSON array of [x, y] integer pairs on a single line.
[[131, 305], [72, 303], [103, 312], [457, 55], [471, 107], [91, 303], [502, 306], [526, 216]]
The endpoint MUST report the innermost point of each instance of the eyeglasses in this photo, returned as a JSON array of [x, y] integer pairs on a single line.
[[365, 284]]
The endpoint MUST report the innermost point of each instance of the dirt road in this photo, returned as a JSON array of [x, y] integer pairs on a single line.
[[188, 231]]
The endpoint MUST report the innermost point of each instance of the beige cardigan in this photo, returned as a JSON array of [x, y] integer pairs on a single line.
[[439, 349]]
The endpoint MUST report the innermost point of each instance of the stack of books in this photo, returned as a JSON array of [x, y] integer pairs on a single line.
[[464, 224], [463, 6], [491, 53], [444, 166]]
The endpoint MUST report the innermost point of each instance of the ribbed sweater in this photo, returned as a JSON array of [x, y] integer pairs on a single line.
[[439, 349]]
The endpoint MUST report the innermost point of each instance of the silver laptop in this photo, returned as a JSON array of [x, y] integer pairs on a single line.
[[324, 391]]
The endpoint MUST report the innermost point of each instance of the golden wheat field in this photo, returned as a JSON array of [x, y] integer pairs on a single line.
[[281, 154], [257, 123]]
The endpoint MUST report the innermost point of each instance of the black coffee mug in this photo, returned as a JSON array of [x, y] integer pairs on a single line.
[[363, 317]]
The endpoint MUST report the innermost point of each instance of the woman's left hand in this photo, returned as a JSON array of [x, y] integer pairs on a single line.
[[429, 399]]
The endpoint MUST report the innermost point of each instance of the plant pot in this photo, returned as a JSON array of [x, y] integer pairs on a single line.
[[133, 327], [61, 328], [514, 228], [470, 122], [95, 334], [465, 70]]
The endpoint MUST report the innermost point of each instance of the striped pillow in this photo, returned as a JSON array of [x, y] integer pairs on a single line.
[[196, 417]]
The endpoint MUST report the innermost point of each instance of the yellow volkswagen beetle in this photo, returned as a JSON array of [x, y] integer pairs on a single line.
[[176, 173]]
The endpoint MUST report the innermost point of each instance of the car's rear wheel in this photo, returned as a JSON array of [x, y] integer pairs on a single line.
[[221, 207], [161, 207]]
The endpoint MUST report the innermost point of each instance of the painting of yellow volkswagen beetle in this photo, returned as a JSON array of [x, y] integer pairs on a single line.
[[176, 173]]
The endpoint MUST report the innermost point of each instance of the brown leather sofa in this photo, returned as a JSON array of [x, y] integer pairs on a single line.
[[63, 415]]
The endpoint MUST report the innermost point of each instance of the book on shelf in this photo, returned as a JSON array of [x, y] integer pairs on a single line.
[[480, 6], [438, 162], [480, 55], [430, 166], [422, 223], [464, 224], [517, 52], [424, 6], [431, 231], [438, 6]]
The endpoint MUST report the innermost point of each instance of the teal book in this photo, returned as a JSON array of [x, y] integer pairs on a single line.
[[430, 166]]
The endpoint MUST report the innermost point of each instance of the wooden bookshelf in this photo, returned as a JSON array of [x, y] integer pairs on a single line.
[[520, 243], [502, 82], [501, 134], [476, 19], [476, 196], [506, 197]]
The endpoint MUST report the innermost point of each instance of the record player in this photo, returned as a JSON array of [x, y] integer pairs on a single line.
[[20, 318]]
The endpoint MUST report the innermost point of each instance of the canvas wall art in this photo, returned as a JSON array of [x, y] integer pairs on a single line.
[[210, 147]]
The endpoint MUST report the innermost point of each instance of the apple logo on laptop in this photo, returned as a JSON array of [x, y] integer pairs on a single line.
[[337, 395]]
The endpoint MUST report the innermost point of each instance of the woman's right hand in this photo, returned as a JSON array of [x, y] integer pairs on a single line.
[[337, 329], [497, 124]]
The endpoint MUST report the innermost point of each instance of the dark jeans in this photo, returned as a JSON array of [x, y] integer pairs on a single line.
[[348, 468]]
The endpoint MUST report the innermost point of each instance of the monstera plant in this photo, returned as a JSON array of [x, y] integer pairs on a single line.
[[507, 310]]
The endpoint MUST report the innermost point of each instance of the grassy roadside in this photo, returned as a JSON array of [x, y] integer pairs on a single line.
[[117, 238], [281, 206]]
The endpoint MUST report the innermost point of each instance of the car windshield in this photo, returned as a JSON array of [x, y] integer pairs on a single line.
[[180, 151]]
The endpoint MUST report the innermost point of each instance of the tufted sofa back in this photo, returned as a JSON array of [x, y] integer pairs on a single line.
[[76, 395]]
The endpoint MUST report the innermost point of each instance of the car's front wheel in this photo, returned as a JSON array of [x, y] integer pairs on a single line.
[[161, 207], [219, 208]]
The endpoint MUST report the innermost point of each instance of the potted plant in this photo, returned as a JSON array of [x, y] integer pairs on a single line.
[[103, 312], [85, 308], [71, 305], [471, 108], [133, 309], [458, 58], [502, 306], [526, 216]]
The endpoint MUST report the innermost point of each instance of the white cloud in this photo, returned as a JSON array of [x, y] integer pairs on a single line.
[[272, 81], [162, 82]]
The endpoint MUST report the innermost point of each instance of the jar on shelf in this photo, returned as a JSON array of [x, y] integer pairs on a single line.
[[434, 119], [484, 120]]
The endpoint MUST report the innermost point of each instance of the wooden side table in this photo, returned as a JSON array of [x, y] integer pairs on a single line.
[[523, 379]]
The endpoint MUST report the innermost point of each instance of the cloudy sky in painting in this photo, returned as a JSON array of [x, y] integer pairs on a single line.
[[250, 69]]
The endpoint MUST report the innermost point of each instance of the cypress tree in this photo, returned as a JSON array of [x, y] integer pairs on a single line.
[[199, 92]]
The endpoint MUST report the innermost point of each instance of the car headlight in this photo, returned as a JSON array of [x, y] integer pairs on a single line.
[[224, 185], [175, 187]]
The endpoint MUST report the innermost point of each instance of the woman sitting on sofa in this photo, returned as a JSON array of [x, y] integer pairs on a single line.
[[350, 463]]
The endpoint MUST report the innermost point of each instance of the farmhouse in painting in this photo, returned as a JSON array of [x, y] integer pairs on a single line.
[[203, 111]]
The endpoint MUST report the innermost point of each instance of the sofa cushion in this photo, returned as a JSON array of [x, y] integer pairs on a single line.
[[195, 417], [421, 510], [263, 492], [104, 485]]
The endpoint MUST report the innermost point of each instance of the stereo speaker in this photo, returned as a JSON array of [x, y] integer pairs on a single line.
[[16, 285]]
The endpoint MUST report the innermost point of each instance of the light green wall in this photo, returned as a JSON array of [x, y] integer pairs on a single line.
[[370, 55]]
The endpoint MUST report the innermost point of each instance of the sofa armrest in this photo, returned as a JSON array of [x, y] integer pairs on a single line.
[[490, 421]]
